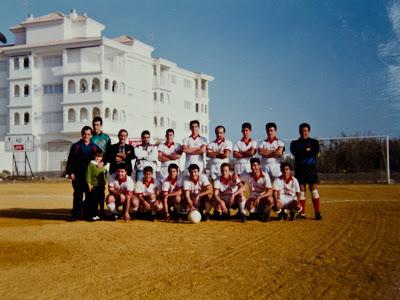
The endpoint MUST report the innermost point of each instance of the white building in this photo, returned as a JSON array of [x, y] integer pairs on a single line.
[[61, 72]]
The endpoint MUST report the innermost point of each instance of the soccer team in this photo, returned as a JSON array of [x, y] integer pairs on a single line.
[[142, 192]]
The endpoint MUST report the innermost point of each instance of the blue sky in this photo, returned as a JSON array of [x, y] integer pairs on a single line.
[[334, 64]]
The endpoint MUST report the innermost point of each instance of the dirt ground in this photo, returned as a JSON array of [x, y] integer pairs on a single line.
[[354, 252]]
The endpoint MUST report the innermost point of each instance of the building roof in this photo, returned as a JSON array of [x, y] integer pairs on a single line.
[[125, 39], [55, 16]]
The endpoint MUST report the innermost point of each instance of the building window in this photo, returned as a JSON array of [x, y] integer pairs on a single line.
[[115, 115], [16, 63], [71, 86], [83, 86], [122, 88], [52, 61], [26, 118], [205, 108], [26, 90], [53, 88], [16, 91], [123, 116], [197, 107], [26, 62], [107, 113], [168, 123], [71, 115], [95, 85], [96, 112], [203, 85], [202, 128], [155, 96], [58, 88], [187, 105], [187, 83], [162, 122], [106, 84], [3, 66], [206, 129], [83, 115], [155, 121], [114, 87], [162, 98], [16, 119], [155, 70]]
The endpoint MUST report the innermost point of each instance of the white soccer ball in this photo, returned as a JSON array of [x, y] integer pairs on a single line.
[[194, 217]]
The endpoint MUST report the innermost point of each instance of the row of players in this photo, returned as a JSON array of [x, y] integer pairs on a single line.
[[305, 150], [195, 192]]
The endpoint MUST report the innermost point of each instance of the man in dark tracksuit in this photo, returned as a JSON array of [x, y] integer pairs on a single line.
[[305, 151], [78, 159], [121, 152]]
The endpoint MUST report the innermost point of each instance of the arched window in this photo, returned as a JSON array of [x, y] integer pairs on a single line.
[[26, 90], [16, 90], [96, 112], [71, 86], [114, 87], [83, 86], [26, 62], [162, 97], [71, 115], [155, 121], [16, 63], [123, 116], [115, 115], [107, 113], [155, 96], [106, 84], [83, 115], [122, 88], [95, 85], [16, 119], [197, 107], [162, 122], [26, 118]]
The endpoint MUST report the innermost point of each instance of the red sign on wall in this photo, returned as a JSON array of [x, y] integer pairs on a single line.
[[19, 147]]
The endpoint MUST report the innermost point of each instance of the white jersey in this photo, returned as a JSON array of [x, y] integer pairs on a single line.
[[168, 149], [242, 165], [170, 186], [196, 187], [125, 186], [146, 189], [146, 155], [197, 159], [257, 185], [228, 186], [271, 145], [215, 163], [287, 189]]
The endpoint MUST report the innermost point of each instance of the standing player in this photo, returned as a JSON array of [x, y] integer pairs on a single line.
[[261, 199], [79, 157], [122, 152], [305, 151], [244, 150], [101, 139], [168, 153], [198, 192], [271, 151], [146, 192], [120, 187], [218, 151], [194, 147], [171, 189], [146, 156], [228, 193], [287, 192]]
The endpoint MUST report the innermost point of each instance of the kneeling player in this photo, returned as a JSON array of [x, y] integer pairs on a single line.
[[120, 187], [286, 192], [198, 192], [228, 193], [146, 192], [261, 199], [171, 191]]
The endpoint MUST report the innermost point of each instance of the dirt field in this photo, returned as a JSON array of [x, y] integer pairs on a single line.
[[354, 252]]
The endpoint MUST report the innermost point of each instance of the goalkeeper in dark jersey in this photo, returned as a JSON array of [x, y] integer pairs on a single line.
[[305, 151], [101, 139]]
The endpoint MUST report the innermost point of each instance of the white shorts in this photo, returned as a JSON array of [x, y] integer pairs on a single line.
[[242, 168], [273, 170], [287, 200]]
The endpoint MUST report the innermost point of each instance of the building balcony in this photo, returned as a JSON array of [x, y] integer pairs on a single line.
[[22, 73], [77, 68], [201, 94], [21, 129], [106, 97], [21, 101]]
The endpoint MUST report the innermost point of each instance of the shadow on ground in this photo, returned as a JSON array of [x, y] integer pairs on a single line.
[[36, 214]]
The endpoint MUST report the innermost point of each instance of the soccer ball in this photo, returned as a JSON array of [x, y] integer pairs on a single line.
[[194, 217]]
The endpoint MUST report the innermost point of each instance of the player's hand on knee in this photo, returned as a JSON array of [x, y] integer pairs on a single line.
[[127, 217]]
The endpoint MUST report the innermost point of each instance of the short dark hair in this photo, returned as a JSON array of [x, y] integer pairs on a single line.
[[120, 166], [218, 127], [85, 128], [173, 166], [122, 130], [99, 153], [97, 119], [194, 167], [144, 132], [148, 169], [246, 125], [194, 122], [225, 165], [304, 125], [284, 165], [269, 125], [255, 160], [169, 130]]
